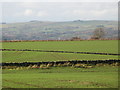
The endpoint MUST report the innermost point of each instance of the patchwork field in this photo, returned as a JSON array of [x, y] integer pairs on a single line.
[[97, 76], [110, 46]]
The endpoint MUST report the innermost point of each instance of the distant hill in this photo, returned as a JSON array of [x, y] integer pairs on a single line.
[[38, 30]]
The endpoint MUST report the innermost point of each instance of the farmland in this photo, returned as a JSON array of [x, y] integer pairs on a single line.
[[59, 76], [62, 77], [110, 46]]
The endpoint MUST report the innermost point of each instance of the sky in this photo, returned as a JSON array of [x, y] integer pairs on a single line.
[[58, 11]]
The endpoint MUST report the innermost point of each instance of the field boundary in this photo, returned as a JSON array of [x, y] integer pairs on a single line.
[[61, 62], [59, 51], [55, 40]]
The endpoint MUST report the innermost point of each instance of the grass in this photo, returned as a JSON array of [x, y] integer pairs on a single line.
[[39, 56], [62, 77], [106, 46], [110, 46]]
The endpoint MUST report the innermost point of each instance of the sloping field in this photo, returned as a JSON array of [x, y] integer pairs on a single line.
[[110, 46]]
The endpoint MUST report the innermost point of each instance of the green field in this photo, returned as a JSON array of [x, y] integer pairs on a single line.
[[110, 46], [62, 77], [105, 76]]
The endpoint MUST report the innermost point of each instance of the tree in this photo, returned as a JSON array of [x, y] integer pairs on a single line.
[[98, 33], [75, 38]]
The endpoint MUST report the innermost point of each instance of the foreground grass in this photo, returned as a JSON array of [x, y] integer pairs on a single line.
[[62, 77]]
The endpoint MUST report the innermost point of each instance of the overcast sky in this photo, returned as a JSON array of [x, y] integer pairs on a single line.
[[58, 11]]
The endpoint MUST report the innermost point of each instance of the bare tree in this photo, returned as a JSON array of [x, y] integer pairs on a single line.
[[75, 38], [98, 33]]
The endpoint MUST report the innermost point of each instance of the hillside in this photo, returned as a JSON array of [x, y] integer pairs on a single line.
[[38, 30]]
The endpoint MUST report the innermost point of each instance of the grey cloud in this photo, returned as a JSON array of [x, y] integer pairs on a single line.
[[63, 11]]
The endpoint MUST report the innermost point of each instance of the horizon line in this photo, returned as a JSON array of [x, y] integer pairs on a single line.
[[4, 22]]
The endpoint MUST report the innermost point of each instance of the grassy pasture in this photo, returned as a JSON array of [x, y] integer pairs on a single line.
[[62, 77], [106, 46], [43, 56], [110, 46]]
